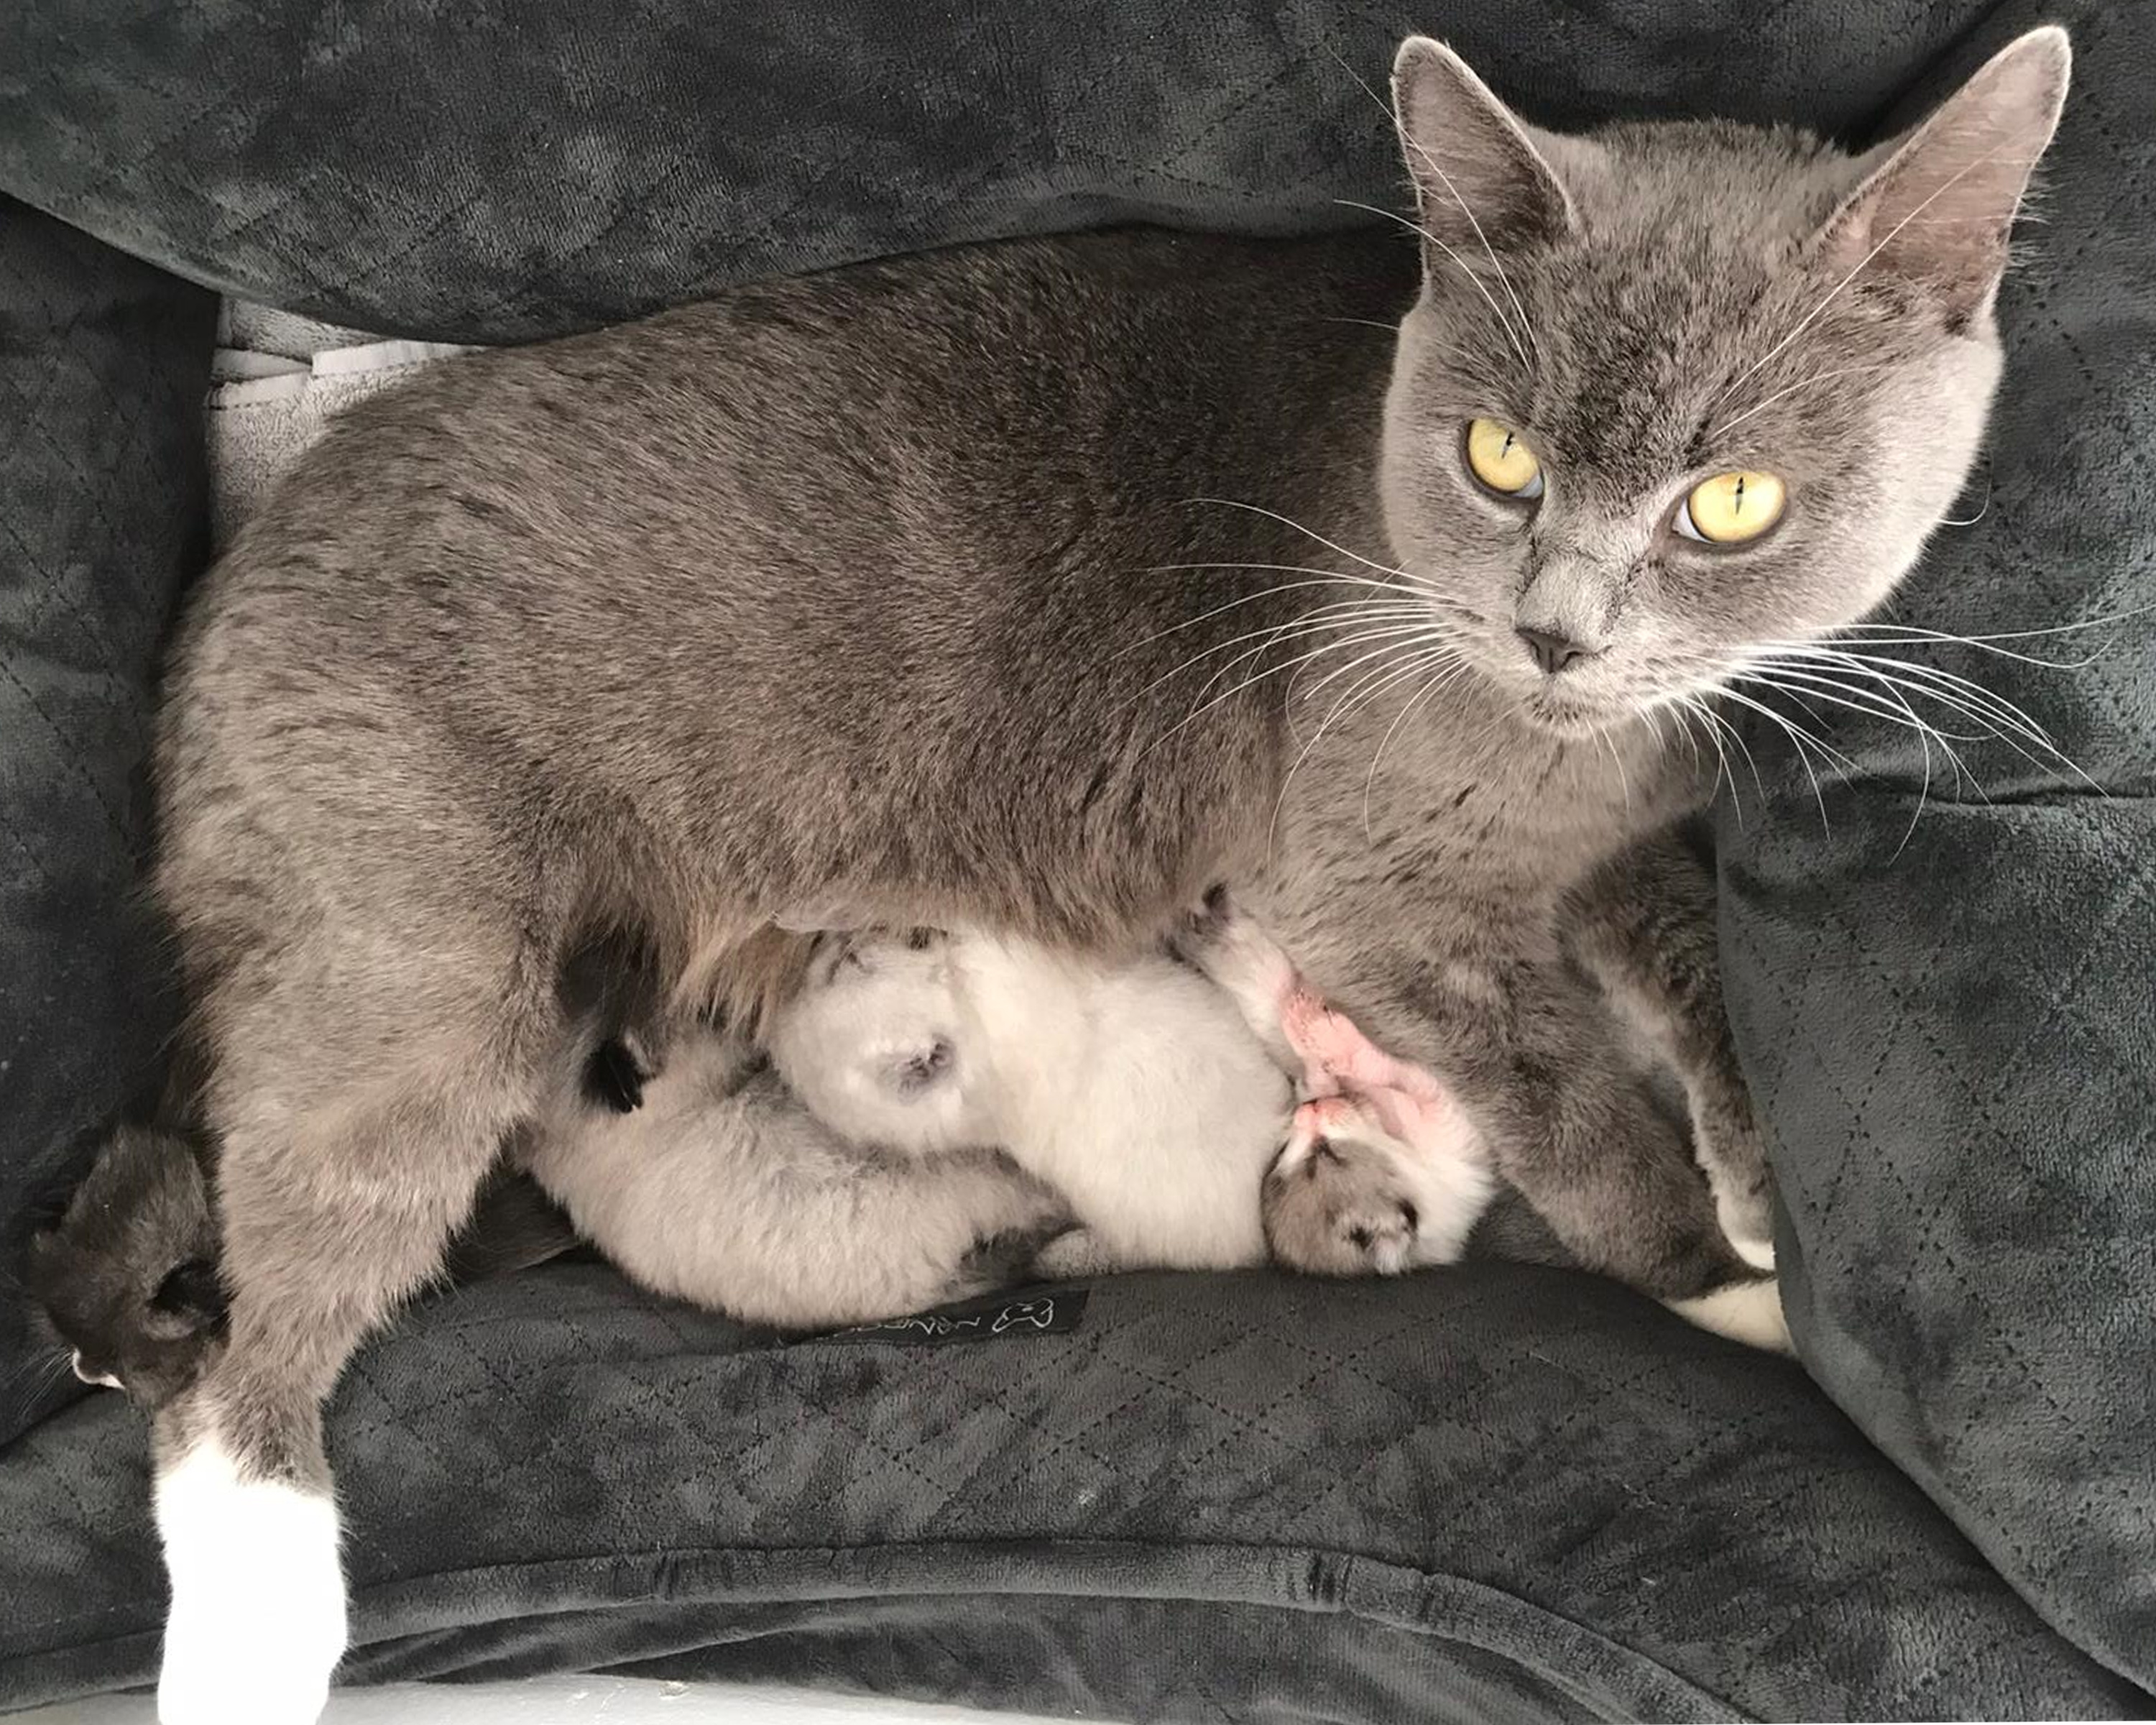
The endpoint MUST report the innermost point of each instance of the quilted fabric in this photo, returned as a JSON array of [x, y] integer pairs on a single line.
[[1500, 1494], [103, 362], [1943, 992], [490, 171]]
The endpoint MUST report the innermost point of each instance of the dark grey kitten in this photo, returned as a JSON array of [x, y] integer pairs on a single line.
[[913, 593], [126, 1278]]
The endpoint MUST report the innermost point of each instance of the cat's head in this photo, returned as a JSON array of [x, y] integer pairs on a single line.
[[1673, 393]]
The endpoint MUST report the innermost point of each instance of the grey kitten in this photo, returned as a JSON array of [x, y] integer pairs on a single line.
[[126, 1278], [894, 590]]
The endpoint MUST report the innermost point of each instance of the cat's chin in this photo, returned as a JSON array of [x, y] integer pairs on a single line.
[[1562, 717]]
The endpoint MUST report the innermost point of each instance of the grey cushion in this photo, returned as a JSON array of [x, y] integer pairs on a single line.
[[1501, 1494], [103, 362], [1949, 1018], [491, 172]]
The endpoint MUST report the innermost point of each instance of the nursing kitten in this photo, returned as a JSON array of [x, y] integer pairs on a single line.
[[126, 1278], [892, 590], [1155, 1099], [937, 1115], [717, 1186]]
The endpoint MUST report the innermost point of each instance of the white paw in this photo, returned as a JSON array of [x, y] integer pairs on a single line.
[[1079, 1255], [1746, 1312], [257, 1614]]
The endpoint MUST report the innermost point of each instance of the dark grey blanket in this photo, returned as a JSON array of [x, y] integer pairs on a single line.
[[1495, 1495], [1492, 1494]]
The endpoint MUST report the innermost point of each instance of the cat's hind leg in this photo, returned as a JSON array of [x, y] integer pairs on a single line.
[[359, 1096]]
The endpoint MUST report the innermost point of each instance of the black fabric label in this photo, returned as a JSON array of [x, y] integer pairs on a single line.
[[998, 1317]]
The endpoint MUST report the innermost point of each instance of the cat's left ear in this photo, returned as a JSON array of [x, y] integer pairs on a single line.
[[1483, 182], [1940, 206]]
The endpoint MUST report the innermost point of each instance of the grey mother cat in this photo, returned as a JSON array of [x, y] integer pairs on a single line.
[[886, 591]]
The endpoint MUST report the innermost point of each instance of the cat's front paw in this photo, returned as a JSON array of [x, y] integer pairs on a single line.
[[1336, 1202], [1729, 1145], [1749, 1311]]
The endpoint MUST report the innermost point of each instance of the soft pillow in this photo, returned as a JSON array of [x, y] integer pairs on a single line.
[[103, 362], [501, 170], [1945, 993]]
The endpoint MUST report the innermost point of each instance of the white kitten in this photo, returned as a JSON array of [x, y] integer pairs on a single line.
[[717, 1186], [1148, 1103], [1155, 1099]]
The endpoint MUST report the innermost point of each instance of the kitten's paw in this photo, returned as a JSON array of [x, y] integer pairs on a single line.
[[1001, 1260], [1746, 1312], [1201, 927], [1336, 1202], [1077, 1255], [258, 1613]]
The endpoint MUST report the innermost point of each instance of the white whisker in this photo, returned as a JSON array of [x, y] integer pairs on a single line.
[[1274, 515], [1367, 689], [1444, 668], [1343, 644], [1466, 269], [1767, 401], [1526, 324], [1858, 268], [1327, 618]]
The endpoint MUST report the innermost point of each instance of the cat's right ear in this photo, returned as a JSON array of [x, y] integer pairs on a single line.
[[1482, 183]]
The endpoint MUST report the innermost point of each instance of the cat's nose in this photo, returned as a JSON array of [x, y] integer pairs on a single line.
[[1552, 651]]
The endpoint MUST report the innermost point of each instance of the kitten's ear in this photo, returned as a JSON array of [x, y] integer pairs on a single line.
[[1941, 209], [190, 1298], [1481, 180]]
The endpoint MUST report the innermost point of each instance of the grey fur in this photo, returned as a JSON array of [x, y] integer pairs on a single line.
[[126, 1278], [885, 593]]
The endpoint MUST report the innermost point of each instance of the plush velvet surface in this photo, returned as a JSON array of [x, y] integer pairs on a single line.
[[1497, 1495], [1947, 1015], [1500, 1493], [477, 170], [103, 362]]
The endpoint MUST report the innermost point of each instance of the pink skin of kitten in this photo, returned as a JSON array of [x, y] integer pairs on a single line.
[[1348, 1081]]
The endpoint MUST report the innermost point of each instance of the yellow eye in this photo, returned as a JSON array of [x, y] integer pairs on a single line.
[[1731, 507], [1496, 457]]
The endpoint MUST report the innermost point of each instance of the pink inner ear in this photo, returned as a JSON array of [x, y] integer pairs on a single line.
[[1942, 207], [1480, 180]]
